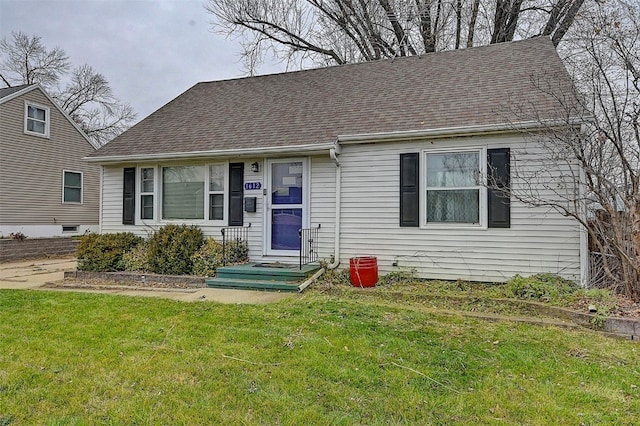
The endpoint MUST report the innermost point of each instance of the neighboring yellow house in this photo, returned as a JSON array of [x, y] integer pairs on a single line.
[[46, 188]]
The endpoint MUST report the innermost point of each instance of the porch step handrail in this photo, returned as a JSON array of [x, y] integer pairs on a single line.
[[233, 234], [308, 245]]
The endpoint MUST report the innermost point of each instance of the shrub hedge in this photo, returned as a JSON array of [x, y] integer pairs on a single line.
[[171, 248], [105, 252], [137, 259], [210, 256]]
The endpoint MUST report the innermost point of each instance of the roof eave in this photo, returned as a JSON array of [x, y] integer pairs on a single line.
[[448, 132], [244, 152], [347, 139]]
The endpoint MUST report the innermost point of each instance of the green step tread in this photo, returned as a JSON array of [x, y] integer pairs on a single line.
[[252, 284]]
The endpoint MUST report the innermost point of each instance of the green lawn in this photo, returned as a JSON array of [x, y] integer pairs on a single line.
[[321, 358]]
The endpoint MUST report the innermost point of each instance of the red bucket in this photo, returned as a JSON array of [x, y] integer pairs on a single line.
[[363, 271]]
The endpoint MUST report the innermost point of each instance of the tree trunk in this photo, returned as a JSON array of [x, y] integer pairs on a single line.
[[472, 22], [458, 23], [635, 242], [566, 22], [505, 20]]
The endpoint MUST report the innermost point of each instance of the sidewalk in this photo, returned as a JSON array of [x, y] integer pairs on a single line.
[[33, 274]]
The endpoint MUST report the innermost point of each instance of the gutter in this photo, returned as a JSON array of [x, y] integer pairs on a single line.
[[262, 151], [457, 131], [585, 269], [345, 139], [333, 153]]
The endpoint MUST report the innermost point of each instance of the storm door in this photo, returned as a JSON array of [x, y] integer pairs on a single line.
[[286, 205]]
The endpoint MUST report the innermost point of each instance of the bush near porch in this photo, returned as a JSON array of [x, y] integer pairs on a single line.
[[171, 250]]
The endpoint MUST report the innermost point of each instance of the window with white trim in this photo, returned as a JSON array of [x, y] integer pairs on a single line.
[[72, 187], [36, 120], [147, 187], [217, 184], [453, 187]]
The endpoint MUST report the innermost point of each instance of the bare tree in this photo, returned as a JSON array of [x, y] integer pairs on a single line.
[[89, 100], [86, 96], [597, 146], [323, 32], [27, 61]]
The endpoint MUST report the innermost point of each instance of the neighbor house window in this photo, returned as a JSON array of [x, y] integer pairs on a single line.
[[72, 187], [36, 120], [453, 187], [147, 179], [183, 192], [216, 191]]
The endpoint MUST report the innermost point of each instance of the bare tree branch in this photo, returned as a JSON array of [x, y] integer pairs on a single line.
[[87, 96], [322, 32], [605, 147]]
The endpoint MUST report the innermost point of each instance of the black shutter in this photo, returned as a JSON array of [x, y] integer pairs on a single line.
[[498, 165], [236, 193], [129, 196], [409, 187]]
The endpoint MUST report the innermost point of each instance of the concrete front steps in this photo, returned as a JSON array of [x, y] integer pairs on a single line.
[[264, 276]]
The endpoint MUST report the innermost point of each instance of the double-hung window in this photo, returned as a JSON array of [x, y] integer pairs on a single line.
[[217, 183], [147, 185], [71, 187], [176, 193], [453, 187], [36, 120], [462, 187]]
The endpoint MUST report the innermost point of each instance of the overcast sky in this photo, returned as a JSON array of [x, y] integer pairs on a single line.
[[150, 51]]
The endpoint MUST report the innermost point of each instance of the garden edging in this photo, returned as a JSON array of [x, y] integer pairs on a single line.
[[626, 328], [138, 279]]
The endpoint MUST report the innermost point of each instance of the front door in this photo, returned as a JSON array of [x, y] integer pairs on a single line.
[[286, 205]]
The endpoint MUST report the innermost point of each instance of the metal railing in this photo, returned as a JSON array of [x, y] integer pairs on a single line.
[[235, 244], [308, 245]]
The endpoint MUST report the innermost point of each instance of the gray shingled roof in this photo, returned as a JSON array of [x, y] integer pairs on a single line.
[[6, 91], [469, 87]]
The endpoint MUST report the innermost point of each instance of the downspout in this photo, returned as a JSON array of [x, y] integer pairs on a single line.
[[100, 218], [333, 153], [585, 270]]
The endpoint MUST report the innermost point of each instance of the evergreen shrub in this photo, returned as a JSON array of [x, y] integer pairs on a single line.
[[105, 252], [171, 248]]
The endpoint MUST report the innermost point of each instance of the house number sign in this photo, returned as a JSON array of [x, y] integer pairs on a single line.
[[249, 186]]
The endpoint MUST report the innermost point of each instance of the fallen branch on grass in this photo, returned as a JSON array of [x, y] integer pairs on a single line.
[[426, 377], [247, 361]]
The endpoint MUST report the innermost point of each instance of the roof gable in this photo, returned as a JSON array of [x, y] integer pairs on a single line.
[[10, 93], [469, 87]]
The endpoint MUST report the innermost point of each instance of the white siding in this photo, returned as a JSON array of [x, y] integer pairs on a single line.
[[322, 191], [112, 187], [539, 240], [323, 202]]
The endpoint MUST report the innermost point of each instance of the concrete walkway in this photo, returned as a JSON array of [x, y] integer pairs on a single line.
[[34, 274]]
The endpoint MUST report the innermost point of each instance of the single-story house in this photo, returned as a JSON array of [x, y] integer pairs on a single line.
[[47, 189], [389, 158]]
